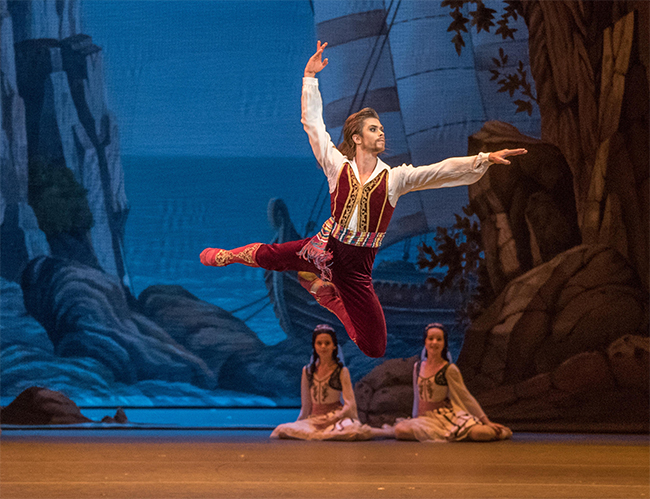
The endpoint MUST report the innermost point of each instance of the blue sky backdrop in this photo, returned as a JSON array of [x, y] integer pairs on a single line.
[[205, 78]]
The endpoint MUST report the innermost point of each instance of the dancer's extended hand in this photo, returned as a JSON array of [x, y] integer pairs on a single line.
[[315, 62], [323, 421], [498, 428], [500, 156]]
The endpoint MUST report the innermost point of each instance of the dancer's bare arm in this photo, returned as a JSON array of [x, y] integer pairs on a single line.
[[305, 396], [316, 62]]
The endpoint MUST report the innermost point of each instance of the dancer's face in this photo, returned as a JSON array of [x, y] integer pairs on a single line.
[[324, 347], [372, 138], [434, 343]]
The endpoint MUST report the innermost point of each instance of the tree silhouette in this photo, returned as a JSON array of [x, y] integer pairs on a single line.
[[483, 19], [459, 250]]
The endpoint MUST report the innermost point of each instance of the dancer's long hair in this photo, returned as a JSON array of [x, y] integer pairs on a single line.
[[324, 329], [311, 368], [445, 350], [354, 125]]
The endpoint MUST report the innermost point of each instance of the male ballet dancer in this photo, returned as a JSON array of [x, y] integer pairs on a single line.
[[335, 265]]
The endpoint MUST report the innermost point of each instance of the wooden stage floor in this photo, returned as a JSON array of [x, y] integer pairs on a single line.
[[79, 464]]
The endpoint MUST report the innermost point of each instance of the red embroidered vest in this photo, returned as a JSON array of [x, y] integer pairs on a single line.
[[374, 215], [375, 211]]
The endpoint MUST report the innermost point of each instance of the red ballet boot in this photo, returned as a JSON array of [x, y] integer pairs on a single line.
[[307, 279], [328, 297], [216, 257]]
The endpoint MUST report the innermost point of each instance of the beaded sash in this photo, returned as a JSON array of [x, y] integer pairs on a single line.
[[320, 409], [315, 252]]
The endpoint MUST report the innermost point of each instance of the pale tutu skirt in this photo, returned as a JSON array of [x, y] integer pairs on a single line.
[[441, 425], [306, 429]]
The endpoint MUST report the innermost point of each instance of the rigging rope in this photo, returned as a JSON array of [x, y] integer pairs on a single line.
[[265, 297], [257, 312]]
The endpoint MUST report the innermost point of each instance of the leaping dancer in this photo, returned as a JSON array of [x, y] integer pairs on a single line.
[[335, 265]]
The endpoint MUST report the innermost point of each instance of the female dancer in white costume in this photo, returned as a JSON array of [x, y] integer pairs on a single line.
[[329, 410], [443, 408]]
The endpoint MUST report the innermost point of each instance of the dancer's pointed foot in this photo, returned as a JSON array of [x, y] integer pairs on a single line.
[[327, 296], [210, 256], [317, 286], [309, 280], [216, 257], [306, 279]]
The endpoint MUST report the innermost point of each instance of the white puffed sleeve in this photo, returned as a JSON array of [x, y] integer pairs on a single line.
[[459, 394], [328, 156], [451, 172]]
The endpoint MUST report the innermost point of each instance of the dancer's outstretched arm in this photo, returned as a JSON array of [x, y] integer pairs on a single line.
[[451, 172], [328, 156]]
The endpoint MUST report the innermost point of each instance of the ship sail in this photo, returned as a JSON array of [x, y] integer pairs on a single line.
[[397, 57]]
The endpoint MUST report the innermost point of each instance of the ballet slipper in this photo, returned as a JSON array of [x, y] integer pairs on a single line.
[[307, 280], [328, 297], [323, 291], [215, 257]]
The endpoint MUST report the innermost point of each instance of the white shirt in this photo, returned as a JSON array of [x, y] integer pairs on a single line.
[[450, 172]]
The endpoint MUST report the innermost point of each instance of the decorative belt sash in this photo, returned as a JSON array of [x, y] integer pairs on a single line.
[[314, 251], [320, 409], [425, 406]]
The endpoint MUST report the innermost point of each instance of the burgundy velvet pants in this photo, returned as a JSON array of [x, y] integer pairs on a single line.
[[352, 275]]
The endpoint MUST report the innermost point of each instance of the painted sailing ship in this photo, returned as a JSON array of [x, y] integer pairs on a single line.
[[396, 57]]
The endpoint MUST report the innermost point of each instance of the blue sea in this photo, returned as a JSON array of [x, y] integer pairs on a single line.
[[181, 205], [178, 207]]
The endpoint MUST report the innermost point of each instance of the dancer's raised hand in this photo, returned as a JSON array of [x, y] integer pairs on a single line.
[[315, 62], [500, 156]]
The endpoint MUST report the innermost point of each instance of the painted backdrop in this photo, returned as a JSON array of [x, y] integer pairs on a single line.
[[137, 133]]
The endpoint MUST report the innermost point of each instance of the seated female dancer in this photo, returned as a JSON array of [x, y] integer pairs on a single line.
[[325, 381], [443, 408], [363, 193]]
